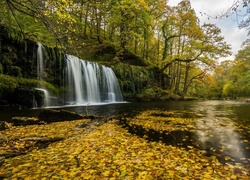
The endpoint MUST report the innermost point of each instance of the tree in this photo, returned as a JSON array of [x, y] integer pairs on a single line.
[[240, 73], [168, 39], [32, 15], [187, 45], [232, 77]]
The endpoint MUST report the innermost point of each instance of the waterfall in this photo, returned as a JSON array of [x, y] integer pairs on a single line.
[[85, 83], [45, 101], [40, 61], [40, 74], [89, 83], [111, 87]]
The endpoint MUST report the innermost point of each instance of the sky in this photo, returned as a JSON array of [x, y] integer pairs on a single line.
[[229, 26]]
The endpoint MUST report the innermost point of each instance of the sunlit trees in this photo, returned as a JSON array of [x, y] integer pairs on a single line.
[[188, 46], [170, 40], [238, 84], [232, 76], [48, 21]]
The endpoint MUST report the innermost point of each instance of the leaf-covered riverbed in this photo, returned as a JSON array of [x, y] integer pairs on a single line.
[[109, 150]]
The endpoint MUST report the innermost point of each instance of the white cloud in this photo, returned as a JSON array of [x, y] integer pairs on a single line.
[[229, 26]]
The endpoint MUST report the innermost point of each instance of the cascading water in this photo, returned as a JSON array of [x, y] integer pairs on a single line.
[[40, 61], [40, 73], [89, 83], [111, 88]]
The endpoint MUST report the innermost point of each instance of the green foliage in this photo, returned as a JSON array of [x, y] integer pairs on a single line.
[[133, 79], [1, 68], [6, 63], [232, 77], [156, 94], [33, 83], [9, 83], [229, 90], [163, 37], [16, 71]]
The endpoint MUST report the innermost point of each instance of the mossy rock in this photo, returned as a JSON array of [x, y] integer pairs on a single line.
[[24, 121], [39, 96], [51, 115], [22, 96], [3, 125]]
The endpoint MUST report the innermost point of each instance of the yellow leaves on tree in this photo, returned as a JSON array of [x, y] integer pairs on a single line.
[[143, 4]]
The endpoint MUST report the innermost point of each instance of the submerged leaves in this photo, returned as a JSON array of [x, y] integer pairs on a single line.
[[109, 151], [162, 121]]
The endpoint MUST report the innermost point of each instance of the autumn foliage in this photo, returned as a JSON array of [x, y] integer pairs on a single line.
[[104, 149]]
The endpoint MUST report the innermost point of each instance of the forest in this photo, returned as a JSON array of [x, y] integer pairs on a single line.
[[182, 112], [149, 37]]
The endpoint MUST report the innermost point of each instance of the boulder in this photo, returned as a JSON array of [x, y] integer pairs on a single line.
[[24, 121], [51, 115], [23, 96], [39, 96], [3, 125]]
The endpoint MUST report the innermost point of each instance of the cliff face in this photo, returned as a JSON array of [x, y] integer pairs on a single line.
[[19, 58], [18, 71]]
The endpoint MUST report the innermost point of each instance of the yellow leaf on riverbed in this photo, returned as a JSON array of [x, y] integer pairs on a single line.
[[109, 151], [171, 174], [149, 154], [63, 172], [142, 174], [233, 177], [106, 173]]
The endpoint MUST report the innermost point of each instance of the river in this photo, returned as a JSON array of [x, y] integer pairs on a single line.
[[222, 127]]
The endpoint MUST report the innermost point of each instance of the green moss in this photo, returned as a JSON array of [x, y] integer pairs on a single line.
[[15, 35], [133, 79], [9, 83], [32, 83]]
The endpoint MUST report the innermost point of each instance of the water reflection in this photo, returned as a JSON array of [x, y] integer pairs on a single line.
[[216, 136], [218, 129], [218, 132]]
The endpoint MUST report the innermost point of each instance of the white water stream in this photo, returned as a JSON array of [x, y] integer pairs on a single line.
[[90, 83]]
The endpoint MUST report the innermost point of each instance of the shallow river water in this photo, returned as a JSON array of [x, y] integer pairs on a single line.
[[222, 127]]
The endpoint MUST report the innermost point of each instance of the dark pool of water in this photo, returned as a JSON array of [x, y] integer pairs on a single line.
[[222, 127]]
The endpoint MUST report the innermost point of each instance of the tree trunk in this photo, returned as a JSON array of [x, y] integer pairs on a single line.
[[185, 86], [98, 24], [86, 20], [178, 78]]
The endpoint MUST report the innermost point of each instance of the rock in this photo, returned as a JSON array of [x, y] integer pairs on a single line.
[[23, 97], [39, 96], [51, 115], [3, 125], [24, 121]]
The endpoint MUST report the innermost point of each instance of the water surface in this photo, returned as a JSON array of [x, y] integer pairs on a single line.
[[222, 127]]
